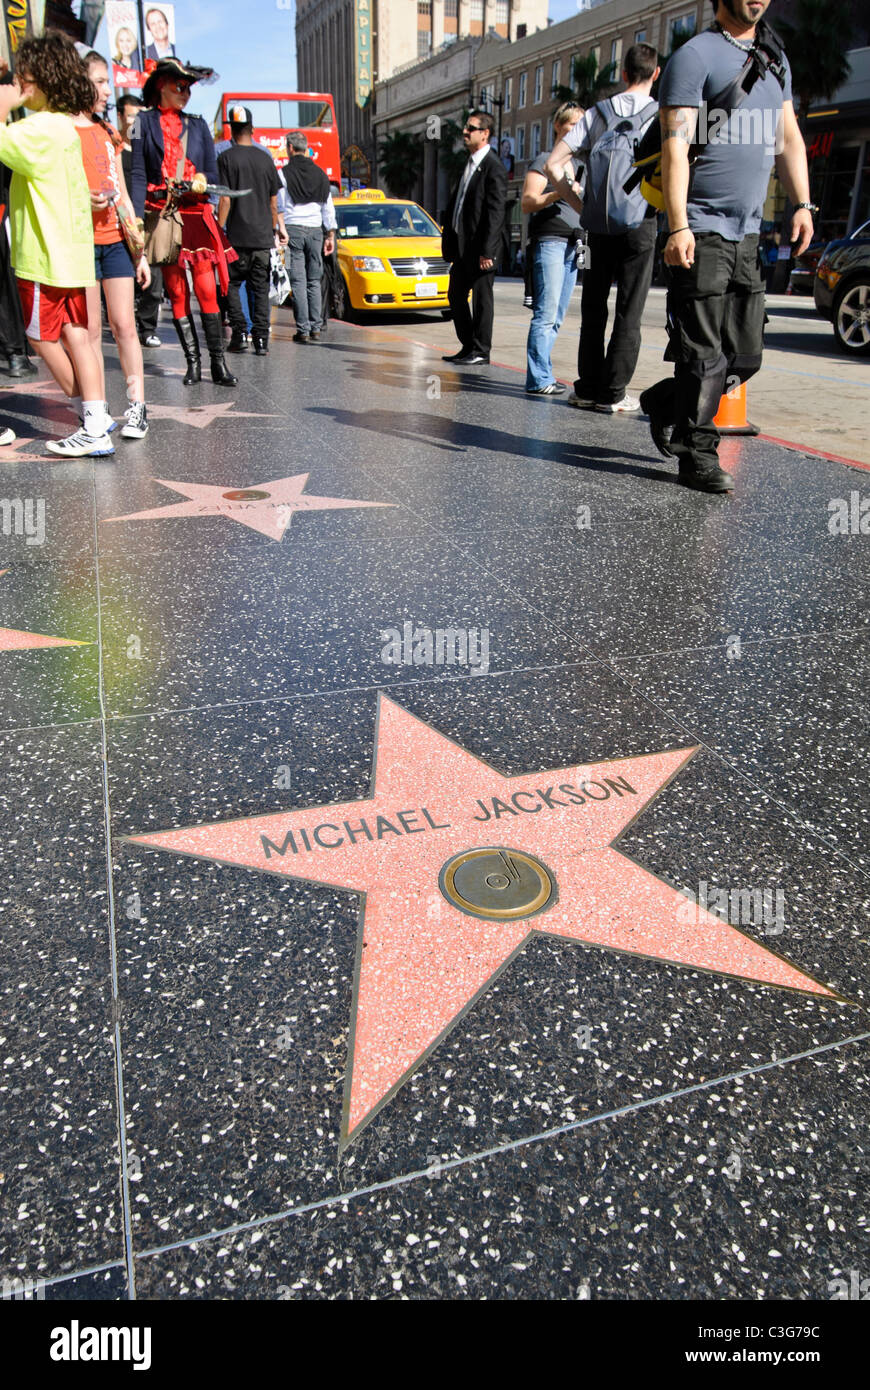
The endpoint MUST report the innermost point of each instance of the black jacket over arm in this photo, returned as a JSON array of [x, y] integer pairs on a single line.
[[482, 214]]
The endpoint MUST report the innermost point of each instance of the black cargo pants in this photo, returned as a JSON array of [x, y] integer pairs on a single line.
[[715, 332]]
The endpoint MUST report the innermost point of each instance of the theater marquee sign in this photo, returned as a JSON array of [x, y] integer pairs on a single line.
[[364, 61]]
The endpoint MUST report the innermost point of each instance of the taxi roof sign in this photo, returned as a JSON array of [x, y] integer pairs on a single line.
[[368, 195]]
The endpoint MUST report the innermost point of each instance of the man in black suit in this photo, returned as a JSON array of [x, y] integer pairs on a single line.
[[471, 241]]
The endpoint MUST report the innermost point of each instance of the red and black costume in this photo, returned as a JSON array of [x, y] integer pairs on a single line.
[[159, 156]]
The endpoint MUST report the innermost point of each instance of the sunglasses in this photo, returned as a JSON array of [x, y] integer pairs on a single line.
[[467, 128], [180, 86]]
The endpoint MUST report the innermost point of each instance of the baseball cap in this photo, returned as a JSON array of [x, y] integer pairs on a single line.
[[240, 115]]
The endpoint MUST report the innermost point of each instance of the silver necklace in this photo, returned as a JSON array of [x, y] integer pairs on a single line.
[[735, 43]]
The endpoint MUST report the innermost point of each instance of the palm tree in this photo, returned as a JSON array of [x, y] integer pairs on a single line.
[[400, 157], [589, 82], [816, 47]]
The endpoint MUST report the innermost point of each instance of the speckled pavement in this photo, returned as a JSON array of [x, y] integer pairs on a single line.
[[435, 847]]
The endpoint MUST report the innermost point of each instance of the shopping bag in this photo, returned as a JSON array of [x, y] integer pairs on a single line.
[[279, 280]]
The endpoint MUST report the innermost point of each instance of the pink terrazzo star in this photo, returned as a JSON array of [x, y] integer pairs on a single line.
[[265, 507], [422, 961], [201, 416], [11, 640]]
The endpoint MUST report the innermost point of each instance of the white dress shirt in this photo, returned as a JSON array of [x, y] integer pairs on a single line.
[[474, 163]]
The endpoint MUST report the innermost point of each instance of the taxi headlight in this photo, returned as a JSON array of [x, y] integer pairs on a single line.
[[369, 263]]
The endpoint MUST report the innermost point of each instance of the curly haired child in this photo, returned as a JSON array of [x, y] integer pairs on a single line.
[[52, 229]]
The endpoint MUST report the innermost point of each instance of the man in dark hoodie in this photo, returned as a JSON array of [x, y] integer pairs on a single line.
[[308, 215]]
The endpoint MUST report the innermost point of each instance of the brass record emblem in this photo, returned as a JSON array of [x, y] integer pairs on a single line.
[[497, 883], [245, 494]]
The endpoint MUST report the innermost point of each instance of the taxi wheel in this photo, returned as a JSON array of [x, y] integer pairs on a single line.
[[343, 308]]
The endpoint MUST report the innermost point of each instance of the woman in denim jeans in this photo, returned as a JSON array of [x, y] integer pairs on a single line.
[[554, 233]]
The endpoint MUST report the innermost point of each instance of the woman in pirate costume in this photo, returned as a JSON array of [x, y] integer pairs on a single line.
[[169, 145]]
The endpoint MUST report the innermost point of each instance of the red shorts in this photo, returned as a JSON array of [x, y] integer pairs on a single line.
[[46, 308]]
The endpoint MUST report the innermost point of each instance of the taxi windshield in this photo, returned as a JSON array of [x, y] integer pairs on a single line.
[[383, 220]]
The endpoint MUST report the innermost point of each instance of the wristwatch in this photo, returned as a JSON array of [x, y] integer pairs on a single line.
[[810, 207]]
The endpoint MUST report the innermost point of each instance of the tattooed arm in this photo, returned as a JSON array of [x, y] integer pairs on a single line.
[[678, 128]]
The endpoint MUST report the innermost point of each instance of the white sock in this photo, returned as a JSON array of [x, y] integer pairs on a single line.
[[95, 417]]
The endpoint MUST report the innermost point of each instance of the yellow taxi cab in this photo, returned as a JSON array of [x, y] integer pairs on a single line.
[[389, 254]]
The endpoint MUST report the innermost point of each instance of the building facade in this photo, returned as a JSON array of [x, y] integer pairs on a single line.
[[334, 37], [515, 80]]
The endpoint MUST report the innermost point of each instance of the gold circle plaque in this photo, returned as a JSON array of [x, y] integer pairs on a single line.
[[497, 883]]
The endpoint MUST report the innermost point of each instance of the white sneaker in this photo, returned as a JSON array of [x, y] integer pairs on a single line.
[[136, 426], [81, 445], [626, 406], [7, 437]]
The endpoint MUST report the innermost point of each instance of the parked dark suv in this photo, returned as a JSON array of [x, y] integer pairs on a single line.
[[841, 289]]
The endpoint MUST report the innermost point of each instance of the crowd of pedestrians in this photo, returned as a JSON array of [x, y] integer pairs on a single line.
[[121, 217]]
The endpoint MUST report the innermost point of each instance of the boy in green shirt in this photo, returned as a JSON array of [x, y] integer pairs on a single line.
[[52, 229]]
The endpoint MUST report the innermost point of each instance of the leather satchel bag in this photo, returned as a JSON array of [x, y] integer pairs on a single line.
[[164, 227]]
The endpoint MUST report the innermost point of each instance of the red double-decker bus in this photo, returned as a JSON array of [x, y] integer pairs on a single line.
[[276, 113]]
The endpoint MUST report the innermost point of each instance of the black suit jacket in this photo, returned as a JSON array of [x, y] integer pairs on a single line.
[[482, 215]]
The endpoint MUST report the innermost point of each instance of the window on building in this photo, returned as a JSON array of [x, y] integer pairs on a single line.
[[535, 141], [539, 84], [424, 6], [640, 35], [595, 52], [616, 57], [485, 98], [508, 84], [501, 11], [451, 9], [424, 42], [475, 10], [557, 74], [521, 90], [521, 142], [681, 28]]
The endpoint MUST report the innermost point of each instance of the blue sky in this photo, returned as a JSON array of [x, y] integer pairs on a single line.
[[250, 43]]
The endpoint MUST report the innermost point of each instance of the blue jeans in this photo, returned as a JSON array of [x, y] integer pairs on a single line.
[[554, 275]]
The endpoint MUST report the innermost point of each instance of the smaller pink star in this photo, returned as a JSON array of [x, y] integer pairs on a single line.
[[200, 416], [265, 507]]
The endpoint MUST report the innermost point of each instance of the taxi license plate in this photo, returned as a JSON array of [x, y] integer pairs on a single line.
[[426, 289]]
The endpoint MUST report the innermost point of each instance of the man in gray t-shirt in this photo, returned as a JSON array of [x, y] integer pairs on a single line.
[[714, 208]]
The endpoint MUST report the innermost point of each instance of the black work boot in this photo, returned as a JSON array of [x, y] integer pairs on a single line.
[[20, 365], [214, 341], [190, 346], [705, 477], [238, 341], [261, 343]]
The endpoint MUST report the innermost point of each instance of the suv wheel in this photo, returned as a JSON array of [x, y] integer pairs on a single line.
[[851, 318]]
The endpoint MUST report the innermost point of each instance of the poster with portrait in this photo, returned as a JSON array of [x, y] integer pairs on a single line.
[[130, 65], [122, 22]]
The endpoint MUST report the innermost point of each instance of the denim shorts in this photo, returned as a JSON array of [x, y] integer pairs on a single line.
[[113, 262]]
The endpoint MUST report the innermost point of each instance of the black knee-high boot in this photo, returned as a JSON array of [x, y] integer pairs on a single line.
[[190, 344], [214, 341]]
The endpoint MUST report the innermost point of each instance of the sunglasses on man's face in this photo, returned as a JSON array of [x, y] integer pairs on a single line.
[[467, 129], [181, 86]]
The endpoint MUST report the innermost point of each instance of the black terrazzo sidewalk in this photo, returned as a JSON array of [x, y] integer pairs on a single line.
[[179, 1045]]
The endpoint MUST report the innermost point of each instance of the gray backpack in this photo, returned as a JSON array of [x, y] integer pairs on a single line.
[[607, 208]]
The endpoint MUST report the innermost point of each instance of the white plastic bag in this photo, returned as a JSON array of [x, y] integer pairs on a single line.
[[279, 280]]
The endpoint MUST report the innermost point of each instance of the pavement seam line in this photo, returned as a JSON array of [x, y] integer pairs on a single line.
[[113, 945], [482, 1155]]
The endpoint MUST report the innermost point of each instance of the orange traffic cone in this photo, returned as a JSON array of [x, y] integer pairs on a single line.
[[731, 418]]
